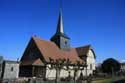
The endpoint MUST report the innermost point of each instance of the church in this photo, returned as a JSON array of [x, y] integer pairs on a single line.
[[43, 58]]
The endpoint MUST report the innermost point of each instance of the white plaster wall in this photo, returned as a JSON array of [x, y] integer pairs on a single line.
[[51, 73], [123, 67], [8, 74], [63, 73], [90, 61]]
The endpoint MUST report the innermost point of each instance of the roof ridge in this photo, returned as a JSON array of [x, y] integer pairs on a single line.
[[34, 37], [89, 45]]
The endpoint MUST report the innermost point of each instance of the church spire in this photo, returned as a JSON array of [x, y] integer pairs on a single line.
[[60, 38], [60, 28]]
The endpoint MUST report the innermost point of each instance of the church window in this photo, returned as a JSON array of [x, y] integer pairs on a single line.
[[11, 68], [91, 66], [65, 42]]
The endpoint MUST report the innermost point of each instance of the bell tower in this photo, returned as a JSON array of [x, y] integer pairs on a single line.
[[60, 38]]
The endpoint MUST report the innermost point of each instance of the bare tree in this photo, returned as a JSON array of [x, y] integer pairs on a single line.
[[78, 66], [59, 64]]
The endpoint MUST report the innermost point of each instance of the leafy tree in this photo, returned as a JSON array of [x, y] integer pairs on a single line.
[[110, 65]]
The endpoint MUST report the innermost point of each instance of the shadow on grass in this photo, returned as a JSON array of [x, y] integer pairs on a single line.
[[120, 81]]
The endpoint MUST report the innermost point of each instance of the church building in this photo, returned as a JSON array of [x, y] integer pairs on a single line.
[[42, 58]]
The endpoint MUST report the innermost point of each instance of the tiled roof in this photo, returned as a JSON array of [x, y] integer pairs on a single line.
[[31, 62], [83, 50], [49, 50]]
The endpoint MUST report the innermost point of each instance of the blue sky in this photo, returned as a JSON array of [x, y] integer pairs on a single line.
[[100, 23]]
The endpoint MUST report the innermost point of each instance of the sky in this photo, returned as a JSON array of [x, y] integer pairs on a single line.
[[100, 23]]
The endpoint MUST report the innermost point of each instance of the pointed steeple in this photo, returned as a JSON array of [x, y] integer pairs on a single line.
[[60, 28], [60, 38]]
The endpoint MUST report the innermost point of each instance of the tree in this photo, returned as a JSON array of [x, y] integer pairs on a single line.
[[78, 66], [110, 66], [59, 64]]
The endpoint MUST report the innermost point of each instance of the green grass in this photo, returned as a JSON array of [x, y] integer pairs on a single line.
[[109, 80]]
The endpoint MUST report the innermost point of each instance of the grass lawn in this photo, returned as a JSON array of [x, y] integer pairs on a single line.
[[109, 80]]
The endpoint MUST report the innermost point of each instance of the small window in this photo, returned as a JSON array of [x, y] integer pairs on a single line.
[[91, 66], [11, 68], [65, 42]]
